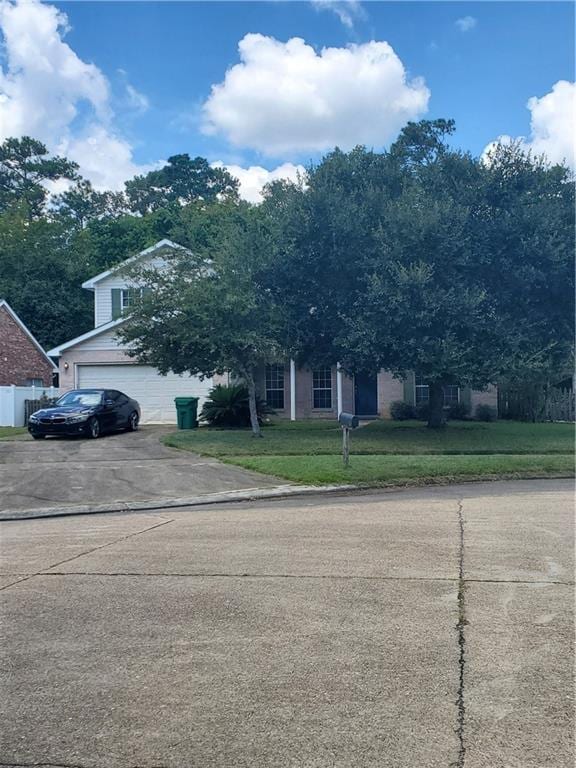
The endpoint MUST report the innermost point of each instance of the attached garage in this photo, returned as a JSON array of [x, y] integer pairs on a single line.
[[154, 392]]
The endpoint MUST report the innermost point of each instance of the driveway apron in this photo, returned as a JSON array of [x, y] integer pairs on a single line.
[[119, 467]]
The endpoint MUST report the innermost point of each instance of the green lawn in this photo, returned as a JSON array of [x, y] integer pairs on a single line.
[[380, 437], [400, 470], [392, 453], [7, 432]]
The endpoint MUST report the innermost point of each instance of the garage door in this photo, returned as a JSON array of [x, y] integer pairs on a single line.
[[154, 392]]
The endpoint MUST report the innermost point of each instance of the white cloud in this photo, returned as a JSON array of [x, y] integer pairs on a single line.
[[132, 98], [48, 92], [552, 126], [348, 11], [466, 23], [254, 178], [136, 100], [286, 98]]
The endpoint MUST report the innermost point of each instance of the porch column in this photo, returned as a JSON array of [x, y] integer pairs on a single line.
[[292, 390], [338, 389]]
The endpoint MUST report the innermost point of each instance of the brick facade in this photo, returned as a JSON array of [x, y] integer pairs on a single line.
[[487, 397], [20, 359], [389, 390]]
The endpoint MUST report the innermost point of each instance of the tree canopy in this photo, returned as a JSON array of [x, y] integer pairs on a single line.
[[426, 259], [25, 167], [182, 180], [420, 258], [206, 314]]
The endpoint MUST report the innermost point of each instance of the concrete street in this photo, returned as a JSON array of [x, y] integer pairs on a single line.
[[420, 628], [132, 466]]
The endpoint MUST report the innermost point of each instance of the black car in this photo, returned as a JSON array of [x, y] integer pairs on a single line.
[[86, 412]]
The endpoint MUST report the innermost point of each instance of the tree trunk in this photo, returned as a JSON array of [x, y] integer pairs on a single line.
[[436, 415], [250, 383]]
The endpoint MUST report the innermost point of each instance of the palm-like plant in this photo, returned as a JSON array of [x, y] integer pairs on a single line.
[[227, 406]]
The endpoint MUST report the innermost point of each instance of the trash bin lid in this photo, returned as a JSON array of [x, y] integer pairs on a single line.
[[185, 400]]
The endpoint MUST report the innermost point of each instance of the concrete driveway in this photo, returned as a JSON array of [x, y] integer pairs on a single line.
[[420, 629], [132, 466]]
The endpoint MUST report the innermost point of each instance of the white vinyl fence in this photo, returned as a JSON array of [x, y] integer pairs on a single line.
[[12, 413]]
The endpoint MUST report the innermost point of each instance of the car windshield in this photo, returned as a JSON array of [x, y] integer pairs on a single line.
[[80, 398]]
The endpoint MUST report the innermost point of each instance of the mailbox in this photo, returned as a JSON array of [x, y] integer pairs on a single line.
[[348, 420]]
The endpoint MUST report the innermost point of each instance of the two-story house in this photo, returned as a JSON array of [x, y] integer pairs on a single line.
[[99, 359]]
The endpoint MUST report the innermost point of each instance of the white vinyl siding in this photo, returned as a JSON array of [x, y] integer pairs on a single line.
[[154, 392], [105, 340], [103, 298], [103, 291]]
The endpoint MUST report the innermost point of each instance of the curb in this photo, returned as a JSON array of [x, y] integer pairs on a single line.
[[250, 494]]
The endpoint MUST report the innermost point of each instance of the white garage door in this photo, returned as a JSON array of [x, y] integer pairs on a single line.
[[154, 392]]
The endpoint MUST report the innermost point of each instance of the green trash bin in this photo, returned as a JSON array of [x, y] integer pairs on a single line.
[[187, 412]]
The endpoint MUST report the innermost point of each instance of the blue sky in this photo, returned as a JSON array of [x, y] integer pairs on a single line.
[[477, 62]]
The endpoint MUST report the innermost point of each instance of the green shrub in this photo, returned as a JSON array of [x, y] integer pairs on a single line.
[[485, 413], [227, 406], [401, 411], [458, 411]]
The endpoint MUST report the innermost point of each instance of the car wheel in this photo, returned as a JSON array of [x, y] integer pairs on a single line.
[[133, 422], [38, 437], [94, 428]]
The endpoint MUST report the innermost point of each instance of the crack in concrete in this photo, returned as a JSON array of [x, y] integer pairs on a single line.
[[462, 622], [108, 544], [135, 574], [243, 575], [41, 765], [13, 583], [64, 765], [44, 572]]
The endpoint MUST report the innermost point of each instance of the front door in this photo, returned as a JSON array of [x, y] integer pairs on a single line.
[[366, 394]]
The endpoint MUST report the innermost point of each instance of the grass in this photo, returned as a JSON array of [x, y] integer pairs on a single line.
[[7, 432], [312, 438], [400, 470], [391, 452]]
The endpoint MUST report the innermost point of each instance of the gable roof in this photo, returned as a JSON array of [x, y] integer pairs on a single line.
[[4, 305], [159, 246], [57, 351]]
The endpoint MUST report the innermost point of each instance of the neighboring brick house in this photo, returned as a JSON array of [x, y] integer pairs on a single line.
[[23, 362]]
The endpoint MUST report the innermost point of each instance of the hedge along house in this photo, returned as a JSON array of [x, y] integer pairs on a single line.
[[302, 393]]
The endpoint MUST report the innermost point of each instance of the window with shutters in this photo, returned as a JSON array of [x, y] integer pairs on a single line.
[[275, 386]]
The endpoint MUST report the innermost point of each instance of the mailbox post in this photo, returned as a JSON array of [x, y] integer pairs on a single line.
[[347, 421]]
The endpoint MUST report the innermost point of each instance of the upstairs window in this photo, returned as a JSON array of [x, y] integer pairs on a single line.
[[127, 297], [275, 386], [322, 388]]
